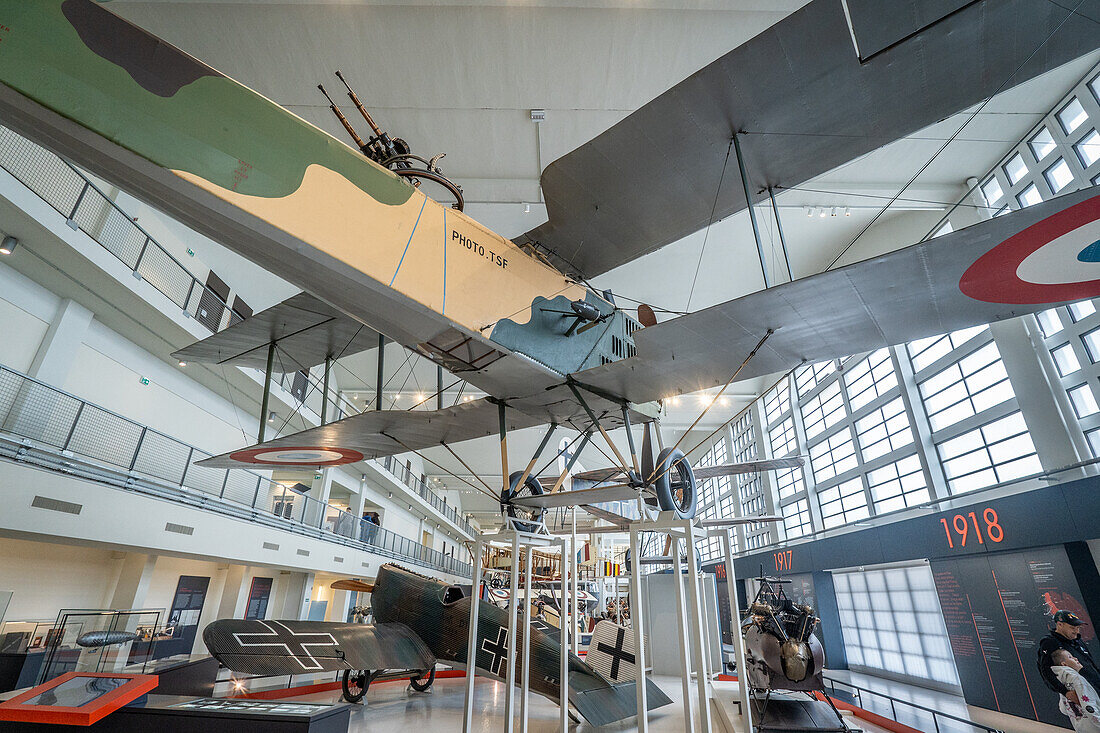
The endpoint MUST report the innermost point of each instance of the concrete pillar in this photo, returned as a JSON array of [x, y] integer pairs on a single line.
[[339, 605], [1044, 404], [133, 582], [59, 348], [234, 598], [215, 594], [296, 601]]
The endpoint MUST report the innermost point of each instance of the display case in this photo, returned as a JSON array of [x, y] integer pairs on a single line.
[[18, 637], [99, 640]]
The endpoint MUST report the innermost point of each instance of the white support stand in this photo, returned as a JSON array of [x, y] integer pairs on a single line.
[[723, 534], [525, 541], [693, 634]]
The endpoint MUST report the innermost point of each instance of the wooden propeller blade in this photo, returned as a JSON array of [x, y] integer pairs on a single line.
[[353, 584], [646, 316]]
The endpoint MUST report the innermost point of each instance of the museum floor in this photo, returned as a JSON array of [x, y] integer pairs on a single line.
[[389, 707]]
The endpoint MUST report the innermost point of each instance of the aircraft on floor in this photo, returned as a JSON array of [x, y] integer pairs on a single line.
[[419, 621], [830, 82]]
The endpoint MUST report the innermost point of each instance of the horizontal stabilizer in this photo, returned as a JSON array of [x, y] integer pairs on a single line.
[[732, 469], [617, 492], [604, 705], [305, 332], [375, 434], [617, 519], [300, 647]]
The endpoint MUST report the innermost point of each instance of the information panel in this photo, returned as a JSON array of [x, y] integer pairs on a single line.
[[997, 607]]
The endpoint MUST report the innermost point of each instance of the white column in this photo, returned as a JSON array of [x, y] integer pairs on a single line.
[[472, 637], [685, 644], [636, 621], [60, 346], [133, 582], [513, 607], [697, 622]]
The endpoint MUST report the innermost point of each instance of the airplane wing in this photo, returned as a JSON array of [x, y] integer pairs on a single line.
[[375, 434], [1011, 265], [305, 330], [807, 106], [300, 647], [732, 469]]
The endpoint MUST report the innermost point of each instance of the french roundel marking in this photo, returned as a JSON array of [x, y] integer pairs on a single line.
[[1052, 261], [299, 456]]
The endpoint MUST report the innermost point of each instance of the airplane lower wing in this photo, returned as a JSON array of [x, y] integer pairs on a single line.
[[732, 469], [1011, 265], [374, 434], [299, 647]]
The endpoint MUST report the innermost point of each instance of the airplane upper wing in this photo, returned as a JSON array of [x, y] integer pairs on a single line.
[[827, 84], [1019, 263], [374, 434], [300, 647]]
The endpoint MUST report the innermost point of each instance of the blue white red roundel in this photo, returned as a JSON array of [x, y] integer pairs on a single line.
[[1052, 261], [302, 456]]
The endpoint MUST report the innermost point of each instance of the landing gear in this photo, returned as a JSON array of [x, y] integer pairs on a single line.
[[675, 484], [529, 520], [354, 684], [423, 681]]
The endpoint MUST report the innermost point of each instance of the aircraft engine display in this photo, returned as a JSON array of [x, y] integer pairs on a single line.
[[781, 652]]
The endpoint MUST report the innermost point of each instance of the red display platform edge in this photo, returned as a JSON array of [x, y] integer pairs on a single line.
[[15, 711]]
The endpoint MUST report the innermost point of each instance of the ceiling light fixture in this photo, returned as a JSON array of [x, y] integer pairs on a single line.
[[847, 211], [810, 211], [821, 212], [271, 416], [8, 245], [834, 211], [182, 363]]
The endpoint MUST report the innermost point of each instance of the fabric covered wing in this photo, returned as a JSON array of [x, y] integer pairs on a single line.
[[732, 469], [969, 277], [812, 92], [375, 434], [299, 647]]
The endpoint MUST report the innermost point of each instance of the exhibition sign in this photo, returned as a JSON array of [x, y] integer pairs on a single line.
[[996, 609]]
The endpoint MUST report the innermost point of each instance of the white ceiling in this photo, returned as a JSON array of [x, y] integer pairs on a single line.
[[461, 77]]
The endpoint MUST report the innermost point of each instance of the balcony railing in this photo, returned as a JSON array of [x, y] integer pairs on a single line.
[[85, 207], [53, 429], [402, 473]]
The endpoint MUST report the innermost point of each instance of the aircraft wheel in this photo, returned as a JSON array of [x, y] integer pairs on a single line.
[[355, 683], [529, 518], [423, 682], [675, 484]]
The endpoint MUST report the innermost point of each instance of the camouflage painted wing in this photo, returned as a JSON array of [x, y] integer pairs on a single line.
[[299, 647]]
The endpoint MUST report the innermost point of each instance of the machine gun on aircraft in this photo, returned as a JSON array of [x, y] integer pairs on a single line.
[[393, 153]]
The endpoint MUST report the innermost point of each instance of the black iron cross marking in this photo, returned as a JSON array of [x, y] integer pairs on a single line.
[[617, 653], [497, 649], [296, 645]]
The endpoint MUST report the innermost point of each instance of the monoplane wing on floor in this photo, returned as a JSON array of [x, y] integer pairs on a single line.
[[375, 434], [300, 647], [1022, 262], [304, 330], [830, 82]]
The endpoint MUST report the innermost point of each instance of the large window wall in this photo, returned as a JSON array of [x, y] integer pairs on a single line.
[[939, 416]]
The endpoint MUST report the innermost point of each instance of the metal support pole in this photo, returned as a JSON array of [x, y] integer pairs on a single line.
[[267, 392], [752, 211], [573, 575], [685, 638], [735, 632], [537, 454], [439, 387], [779, 228], [513, 608], [630, 441], [703, 683], [572, 459], [596, 421], [472, 637], [324, 391], [563, 622], [525, 679], [636, 621], [381, 372], [503, 445]]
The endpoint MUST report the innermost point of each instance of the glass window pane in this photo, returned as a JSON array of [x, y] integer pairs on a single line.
[[991, 189], [1041, 144], [1030, 196], [1015, 169], [1072, 116], [1088, 150], [1085, 308], [1065, 360], [1058, 175], [1050, 322], [1084, 402], [1092, 344]]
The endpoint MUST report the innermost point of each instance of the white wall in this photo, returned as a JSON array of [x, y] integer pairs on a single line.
[[46, 577]]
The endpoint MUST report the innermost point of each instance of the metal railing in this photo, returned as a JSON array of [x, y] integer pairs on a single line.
[[54, 429], [937, 716], [86, 208], [402, 473]]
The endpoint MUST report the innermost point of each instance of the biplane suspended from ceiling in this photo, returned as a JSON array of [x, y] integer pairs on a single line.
[[516, 319]]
